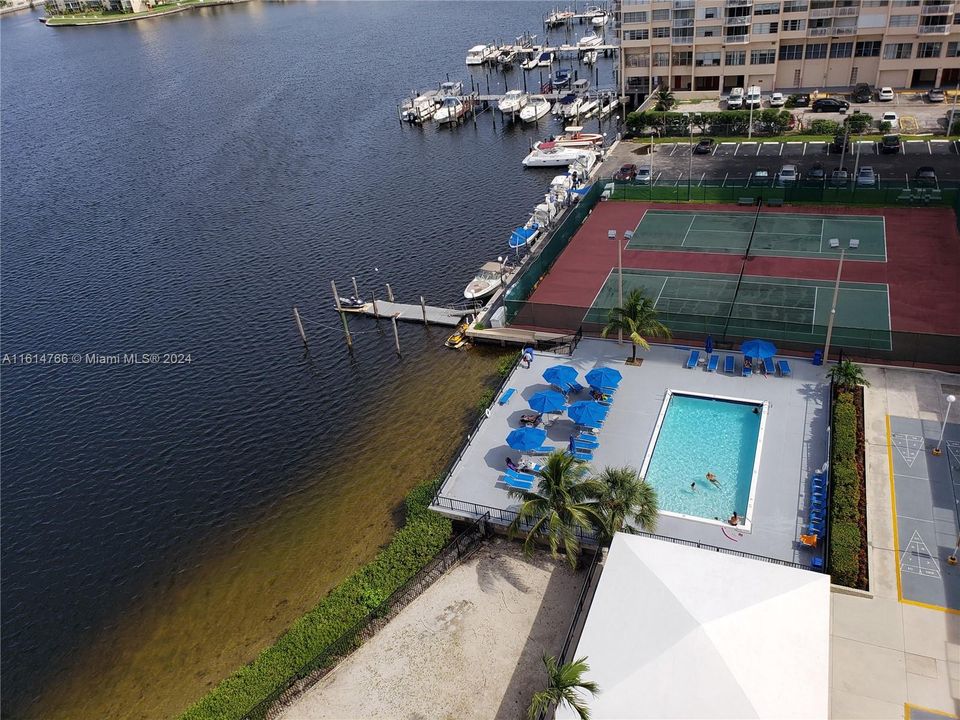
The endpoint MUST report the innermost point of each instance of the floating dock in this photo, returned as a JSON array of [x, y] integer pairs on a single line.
[[428, 314]]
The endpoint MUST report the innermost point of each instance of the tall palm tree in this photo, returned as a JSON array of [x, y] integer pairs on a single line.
[[665, 99], [563, 688], [563, 503], [628, 503], [638, 319], [847, 375]]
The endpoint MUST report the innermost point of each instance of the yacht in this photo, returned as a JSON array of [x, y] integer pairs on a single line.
[[485, 282], [545, 59], [451, 111], [573, 137], [536, 107], [590, 57], [559, 17], [506, 57], [555, 157], [451, 89], [479, 54], [600, 20], [513, 102], [561, 78], [531, 62], [420, 108], [591, 40]]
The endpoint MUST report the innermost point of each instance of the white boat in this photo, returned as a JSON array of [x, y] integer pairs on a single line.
[[572, 109], [506, 57], [573, 137], [589, 107], [608, 107], [546, 212], [600, 20], [590, 57], [420, 108], [513, 102], [485, 282], [531, 62], [545, 59], [451, 89], [536, 107], [452, 109], [479, 54], [559, 17], [591, 40], [555, 157], [581, 168]]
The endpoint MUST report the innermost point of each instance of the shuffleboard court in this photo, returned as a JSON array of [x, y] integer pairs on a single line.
[[777, 234], [770, 307]]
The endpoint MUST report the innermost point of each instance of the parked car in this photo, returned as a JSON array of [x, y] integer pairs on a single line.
[[936, 96], [830, 105], [890, 117], [841, 143], [816, 172], [753, 98], [840, 176], [760, 176], [886, 94], [926, 176], [735, 99], [788, 175], [861, 93], [642, 176], [705, 146], [777, 100], [866, 177], [626, 172], [800, 100], [890, 144]]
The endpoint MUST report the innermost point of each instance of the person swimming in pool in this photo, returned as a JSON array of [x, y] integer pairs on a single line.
[[756, 411], [713, 479], [734, 519], [693, 486]]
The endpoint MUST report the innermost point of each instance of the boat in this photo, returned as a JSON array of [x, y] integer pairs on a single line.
[[590, 57], [591, 40], [453, 89], [580, 169], [573, 137], [488, 278], [600, 20], [513, 102], [588, 107], [526, 235], [544, 59], [558, 18], [451, 111], [420, 108], [561, 78], [608, 107], [531, 62], [351, 302], [559, 107], [536, 107], [555, 157], [506, 57], [459, 337], [479, 54]]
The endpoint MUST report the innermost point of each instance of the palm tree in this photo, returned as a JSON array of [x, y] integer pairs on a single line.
[[665, 99], [628, 503], [563, 688], [638, 319], [847, 375], [563, 504]]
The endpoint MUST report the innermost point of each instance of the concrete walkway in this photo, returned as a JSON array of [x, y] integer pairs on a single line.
[[890, 658]]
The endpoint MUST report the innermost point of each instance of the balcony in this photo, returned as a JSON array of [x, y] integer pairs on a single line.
[[738, 3], [684, 40], [684, 4], [848, 12], [818, 32], [738, 20], [933, 29], [844, 31], [822, 13], [683, 23], [736, 39], [943, 9]]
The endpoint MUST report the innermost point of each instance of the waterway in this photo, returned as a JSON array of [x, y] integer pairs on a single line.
[[175, 186]]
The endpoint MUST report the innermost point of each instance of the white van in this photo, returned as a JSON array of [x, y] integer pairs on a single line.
[[753, 96], [735, 99]]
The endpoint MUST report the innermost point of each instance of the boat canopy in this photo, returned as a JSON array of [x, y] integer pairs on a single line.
[[521, 236], [573, 129]]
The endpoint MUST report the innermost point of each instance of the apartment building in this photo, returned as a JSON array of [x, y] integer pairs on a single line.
[[707, 47]]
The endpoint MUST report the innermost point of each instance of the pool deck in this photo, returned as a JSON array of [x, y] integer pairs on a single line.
[[794, 442]]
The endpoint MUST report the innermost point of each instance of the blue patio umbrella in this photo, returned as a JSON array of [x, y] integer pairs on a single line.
[[560, 375], [604, 377], [526, 438], [759, 349], [586, 412], [547, 401]]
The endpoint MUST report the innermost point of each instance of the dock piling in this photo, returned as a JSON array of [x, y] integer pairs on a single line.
[[423, 309], [343, 315], [303, 335], [389, 293], [396, 334], [356, 292]]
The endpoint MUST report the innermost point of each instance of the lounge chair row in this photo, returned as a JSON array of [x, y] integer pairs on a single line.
[[818, 504], [768, 365]]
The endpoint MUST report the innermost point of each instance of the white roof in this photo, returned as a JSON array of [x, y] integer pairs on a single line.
[[680, 632]]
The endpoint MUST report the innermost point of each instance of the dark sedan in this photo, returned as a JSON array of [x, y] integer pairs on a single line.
[[830, 105], [626, 172], [705, 146]]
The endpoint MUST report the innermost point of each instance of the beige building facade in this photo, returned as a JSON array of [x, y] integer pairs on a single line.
[[707, 47]]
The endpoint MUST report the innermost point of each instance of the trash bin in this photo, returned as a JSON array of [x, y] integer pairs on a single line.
[[818, 357]]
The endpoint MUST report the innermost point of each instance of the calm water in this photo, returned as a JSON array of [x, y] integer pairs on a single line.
[[699, 435], [176, 186]]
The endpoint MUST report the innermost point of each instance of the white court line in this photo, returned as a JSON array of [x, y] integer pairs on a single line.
[[736, 149], [759, 147], [688, 230], [597, 296], [665, 280], [813, 315], [724, 180], [822, 225], [804, 149], [701, 180]]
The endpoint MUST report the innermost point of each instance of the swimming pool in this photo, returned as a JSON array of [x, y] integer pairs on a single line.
[[700, 434]]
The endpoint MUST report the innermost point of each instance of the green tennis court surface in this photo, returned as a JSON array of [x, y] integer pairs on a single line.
[[782, 234], [768, 307]]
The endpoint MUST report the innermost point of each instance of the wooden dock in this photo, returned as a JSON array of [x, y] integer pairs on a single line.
[[428, 314]]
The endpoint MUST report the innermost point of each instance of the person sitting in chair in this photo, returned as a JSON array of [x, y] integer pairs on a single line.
[[511, 465], [532, 419]]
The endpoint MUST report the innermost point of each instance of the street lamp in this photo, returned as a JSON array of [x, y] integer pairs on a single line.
[[689, 118], [951, 399], [835, 243], [612, 235]]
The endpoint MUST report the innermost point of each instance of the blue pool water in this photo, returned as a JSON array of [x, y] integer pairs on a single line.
[[700, 435]]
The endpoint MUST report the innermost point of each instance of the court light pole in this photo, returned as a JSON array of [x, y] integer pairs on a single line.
[[612, 234], [835, 243], [951, 399], [689, 118]]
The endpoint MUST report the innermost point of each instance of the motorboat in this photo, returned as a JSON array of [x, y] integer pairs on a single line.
[[589, 107], [352, 303], [608, 107], [488, 278], [513, 102], [581, 169], [590, 57], [451, 111], [561, 78], [573, 108], [544, 59], [531, 62], [479, 54], [573, 137], [600, 20], [451, 89], [559, 107], [536, 107], [420, 108], [559, 17], [591, 40], [555, 157], [506, 57], [526, 235]]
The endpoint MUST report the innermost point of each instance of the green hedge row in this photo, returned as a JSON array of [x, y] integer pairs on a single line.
[[412, 547], [845, 507]]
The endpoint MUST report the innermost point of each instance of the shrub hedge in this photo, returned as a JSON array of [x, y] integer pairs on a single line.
[[845, 517], [413, 546]]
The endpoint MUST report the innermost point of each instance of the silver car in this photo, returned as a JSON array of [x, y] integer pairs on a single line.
[[866, 177], [788, 175], [643, 176]]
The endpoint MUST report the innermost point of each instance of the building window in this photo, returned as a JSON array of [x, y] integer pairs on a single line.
[[763, 57], [898, 51], [929, 50], [636, 34], [841, 50], [766, 9], [868, 48], [794, 25], [711, 13], [903, 20], [953, 49], [708, 59], [736, 57], [683, 58], [794, 7], [816, 51], [661, 15], [661, 59], [765, 28], [635, 17], [661, 32], [709, 31], [791, 52]]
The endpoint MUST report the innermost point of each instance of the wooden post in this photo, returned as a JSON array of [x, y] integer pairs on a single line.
[[343, 315], [356, 292], [396, 334], [423, 309], [389, 293], [296, 317]]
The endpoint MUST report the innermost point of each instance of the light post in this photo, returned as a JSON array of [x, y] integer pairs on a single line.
[[951, 399], [612, 234], [689, 118], [953, 110], [501, 260], [835, 243]]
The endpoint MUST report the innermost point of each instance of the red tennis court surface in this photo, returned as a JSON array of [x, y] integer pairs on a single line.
[[922, 268]]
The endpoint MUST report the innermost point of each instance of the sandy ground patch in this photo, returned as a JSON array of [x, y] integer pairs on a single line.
[[469, 647]]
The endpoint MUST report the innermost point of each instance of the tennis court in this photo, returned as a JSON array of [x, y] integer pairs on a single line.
[[769, 307], [781, 234]]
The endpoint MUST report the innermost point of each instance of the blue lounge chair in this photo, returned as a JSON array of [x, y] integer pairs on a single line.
[[586, 443], [784, 367], [505, 398], [545, 449], [768, 368], [517, 484], [584, 455], [713, 363], [589, 437], [522, 476], [746, 370], [730, 365], [574, 387], [693, 359]]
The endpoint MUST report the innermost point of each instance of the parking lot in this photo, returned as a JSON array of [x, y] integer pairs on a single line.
[[734, 162]]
